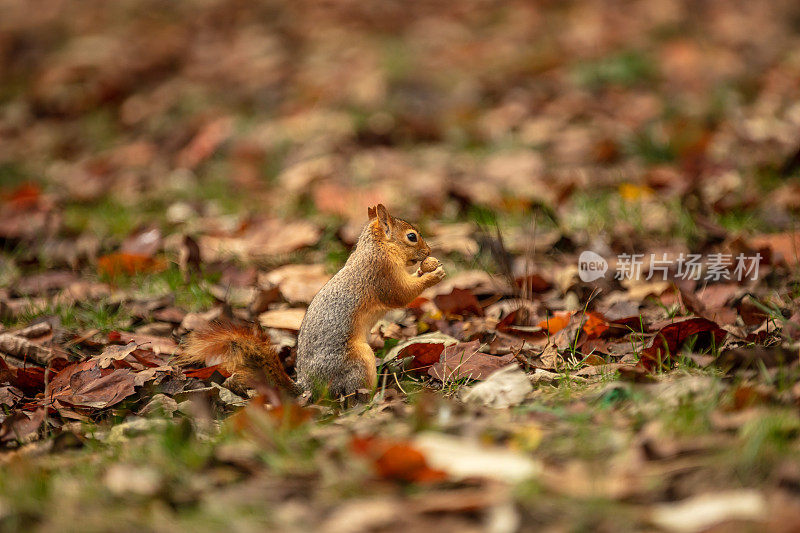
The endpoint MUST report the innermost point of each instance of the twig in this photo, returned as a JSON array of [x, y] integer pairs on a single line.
[[521, 359]]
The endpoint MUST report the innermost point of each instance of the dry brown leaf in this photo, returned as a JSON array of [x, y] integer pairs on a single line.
[[260, 240], [114, 353], [24, 349], [784, 246], [297, 283], [464, 361], [282, 319], [85, 385], [458, 302]]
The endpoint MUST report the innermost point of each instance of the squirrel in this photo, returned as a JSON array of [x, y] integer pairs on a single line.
[[333, 355]]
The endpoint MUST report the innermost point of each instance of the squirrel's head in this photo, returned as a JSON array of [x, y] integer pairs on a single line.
[[401, 238]]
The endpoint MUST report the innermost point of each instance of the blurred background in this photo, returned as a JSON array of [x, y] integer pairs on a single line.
[[167, 163], [606, 122]]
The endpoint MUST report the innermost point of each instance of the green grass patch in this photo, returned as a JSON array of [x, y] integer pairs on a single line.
[[627, 68]]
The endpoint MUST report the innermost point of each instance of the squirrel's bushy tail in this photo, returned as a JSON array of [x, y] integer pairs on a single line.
[[244, 352]]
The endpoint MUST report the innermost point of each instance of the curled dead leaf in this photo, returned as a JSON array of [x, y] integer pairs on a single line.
[[396, 461]]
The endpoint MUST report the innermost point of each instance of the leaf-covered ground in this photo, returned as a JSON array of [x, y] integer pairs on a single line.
[[164, 164]]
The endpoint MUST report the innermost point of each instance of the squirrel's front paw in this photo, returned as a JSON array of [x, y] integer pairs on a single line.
[[436, 276]]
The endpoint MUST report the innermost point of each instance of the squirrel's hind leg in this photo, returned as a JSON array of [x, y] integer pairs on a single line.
[[363, 374]]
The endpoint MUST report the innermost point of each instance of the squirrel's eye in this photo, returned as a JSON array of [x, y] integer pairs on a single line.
[[412, 237]]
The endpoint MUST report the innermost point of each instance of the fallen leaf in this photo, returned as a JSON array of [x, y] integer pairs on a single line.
[[21, 426], [668, 340], [464, 361], [116, 264], [282, 319], [431, 347], [24, 349], [396, 461], [145, 242], [114, 353], [44, 282], [260, 240], [206, 372], [700, 512], [550, 358], [784, 246], [423, 355], [30, 380], [503, 388], [463, 458], [296, 283], [25, 197], [458, 302], [205, 142], [9, 395], [595, 325], [754, 357], [86, 385], [555, 323], [158, 345]]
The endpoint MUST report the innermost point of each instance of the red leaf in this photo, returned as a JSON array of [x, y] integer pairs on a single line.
[[207, 372], [148, 358], [458, 302], [424, 354], [669, 339], [60, 384], [30, 380], [507, 325], [24, 197], [533, 283]]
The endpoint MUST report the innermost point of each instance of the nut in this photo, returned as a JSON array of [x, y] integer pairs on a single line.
[[429, 264]]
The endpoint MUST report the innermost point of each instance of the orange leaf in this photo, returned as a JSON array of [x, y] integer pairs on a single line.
[[397, 461], [556, 323], [113, 265], [290, 415], [26, 196], [417, 302], [595, 325], [285, 416]]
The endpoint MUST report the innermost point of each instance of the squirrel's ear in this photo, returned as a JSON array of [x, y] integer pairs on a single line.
[[371, 213], [384, 219]]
